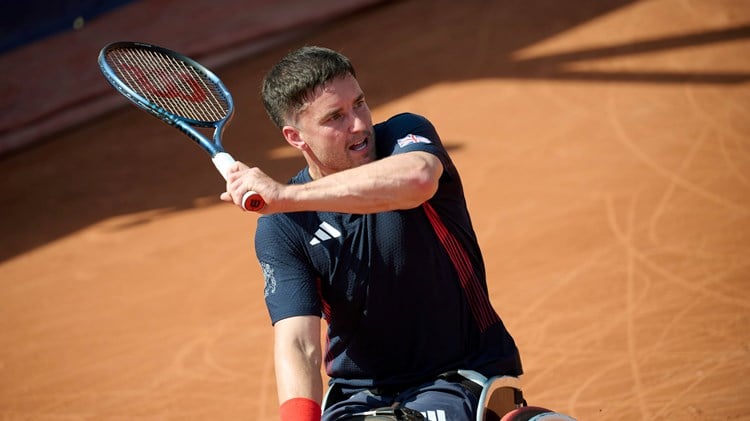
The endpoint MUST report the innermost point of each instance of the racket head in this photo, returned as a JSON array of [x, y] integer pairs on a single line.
[[167, 84]]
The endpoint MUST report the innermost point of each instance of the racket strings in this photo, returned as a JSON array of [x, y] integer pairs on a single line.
[[170, 83]]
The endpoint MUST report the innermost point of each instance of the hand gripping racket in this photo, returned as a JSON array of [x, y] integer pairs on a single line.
[[179, 91]]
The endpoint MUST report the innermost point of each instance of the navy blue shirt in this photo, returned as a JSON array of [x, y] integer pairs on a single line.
[[404, 292]]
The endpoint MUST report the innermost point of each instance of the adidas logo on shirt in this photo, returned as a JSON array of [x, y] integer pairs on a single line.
[[325, 232], [438, 415]]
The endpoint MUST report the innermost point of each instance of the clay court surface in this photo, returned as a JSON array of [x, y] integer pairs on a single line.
[[605, 151]]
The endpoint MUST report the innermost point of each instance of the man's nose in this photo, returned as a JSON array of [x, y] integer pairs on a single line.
[[359, 123]]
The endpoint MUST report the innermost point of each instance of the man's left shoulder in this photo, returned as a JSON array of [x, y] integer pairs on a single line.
[[409, 126], [407, 119]]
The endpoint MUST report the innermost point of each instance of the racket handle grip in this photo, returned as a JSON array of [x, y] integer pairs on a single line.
[[251, 201]]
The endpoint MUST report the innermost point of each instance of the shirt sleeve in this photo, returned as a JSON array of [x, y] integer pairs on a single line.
[[411, 132], [290, 283], [407, 132]]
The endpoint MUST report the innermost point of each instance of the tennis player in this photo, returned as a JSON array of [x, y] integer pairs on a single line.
[[374, 236]]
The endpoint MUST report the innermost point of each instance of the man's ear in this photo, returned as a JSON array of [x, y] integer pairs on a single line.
[[292, 136]]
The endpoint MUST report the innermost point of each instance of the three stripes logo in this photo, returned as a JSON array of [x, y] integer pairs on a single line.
[[325, 232], [438, 415]]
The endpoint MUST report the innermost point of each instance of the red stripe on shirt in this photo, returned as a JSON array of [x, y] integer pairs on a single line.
[[326, 309], [479, 301]]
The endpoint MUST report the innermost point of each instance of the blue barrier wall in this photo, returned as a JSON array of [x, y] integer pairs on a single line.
[[29, 20]]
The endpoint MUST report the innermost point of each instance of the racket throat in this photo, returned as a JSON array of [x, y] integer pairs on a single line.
[[223, 161]]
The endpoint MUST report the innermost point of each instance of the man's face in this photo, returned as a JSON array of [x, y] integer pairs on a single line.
[[334, 129]]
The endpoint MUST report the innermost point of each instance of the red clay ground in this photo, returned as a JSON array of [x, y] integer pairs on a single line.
[[605, 150]]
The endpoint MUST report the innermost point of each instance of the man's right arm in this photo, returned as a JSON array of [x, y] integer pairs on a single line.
[[402, 181]]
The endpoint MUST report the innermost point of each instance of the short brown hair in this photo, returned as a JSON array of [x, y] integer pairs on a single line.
[[292, 81]]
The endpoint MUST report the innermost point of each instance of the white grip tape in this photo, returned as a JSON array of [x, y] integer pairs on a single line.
[[223, 161]]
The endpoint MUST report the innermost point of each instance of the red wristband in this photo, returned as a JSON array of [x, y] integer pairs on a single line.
[[299, 409]]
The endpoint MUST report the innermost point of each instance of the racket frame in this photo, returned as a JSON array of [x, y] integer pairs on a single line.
[[184, 124]]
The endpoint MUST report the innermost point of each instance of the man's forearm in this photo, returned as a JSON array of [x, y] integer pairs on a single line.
[[298, 379], [398, 182]]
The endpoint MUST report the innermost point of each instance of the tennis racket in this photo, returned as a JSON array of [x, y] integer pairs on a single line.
[[180, 92]]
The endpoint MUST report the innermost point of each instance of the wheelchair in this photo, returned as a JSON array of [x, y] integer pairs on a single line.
[[501, 399]]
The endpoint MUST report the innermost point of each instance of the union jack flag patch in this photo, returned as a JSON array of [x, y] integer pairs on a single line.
[[412, 138]]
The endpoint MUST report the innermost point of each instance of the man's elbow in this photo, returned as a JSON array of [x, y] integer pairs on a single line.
[[425, 180], [426, 186]]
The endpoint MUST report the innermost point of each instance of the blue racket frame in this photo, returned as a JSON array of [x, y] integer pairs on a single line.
[[185, 125]]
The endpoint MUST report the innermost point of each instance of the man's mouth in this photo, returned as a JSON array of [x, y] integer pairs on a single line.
[[359, 146]]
